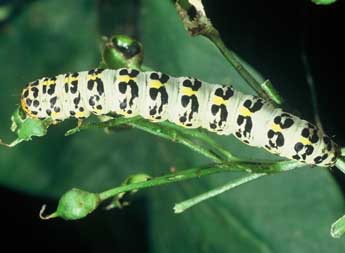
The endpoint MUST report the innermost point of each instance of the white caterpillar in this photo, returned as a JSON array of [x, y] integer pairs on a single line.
[[185, 101]]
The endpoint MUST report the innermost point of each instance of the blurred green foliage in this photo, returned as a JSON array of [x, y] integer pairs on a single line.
[[289, 212], [324, 2]]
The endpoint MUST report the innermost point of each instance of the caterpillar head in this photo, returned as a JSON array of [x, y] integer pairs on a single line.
[[29, 99]]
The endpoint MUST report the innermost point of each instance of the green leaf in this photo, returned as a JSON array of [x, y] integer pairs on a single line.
[[290, 212]]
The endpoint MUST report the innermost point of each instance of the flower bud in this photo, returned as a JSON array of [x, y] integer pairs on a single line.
[[74, 204], [122, 52]]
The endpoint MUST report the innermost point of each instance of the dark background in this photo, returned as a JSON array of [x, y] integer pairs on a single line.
[[263, 27]]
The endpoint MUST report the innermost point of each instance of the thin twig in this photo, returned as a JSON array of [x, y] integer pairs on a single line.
[[164, 131], [202, 136], [279, 166], [175, 136], [204, 171], [186, 204], [311, 84], [201, 25]]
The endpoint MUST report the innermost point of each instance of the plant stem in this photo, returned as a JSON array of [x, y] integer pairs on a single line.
[[230, 56], [311, 84], [104, 124], [201, 135], [175, 136], [340, 164], [201, 25], [164, 131], [279, 166], [342, 150], [186, 204], [204, 171], [338, 227]]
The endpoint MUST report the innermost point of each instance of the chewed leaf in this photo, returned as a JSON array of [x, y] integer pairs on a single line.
[[26, 128]]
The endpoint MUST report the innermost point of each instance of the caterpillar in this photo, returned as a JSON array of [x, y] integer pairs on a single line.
[[185, 101]]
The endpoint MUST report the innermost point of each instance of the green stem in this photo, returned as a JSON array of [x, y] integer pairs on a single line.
[[245, 74], [338, 227], [279, 166], [11, 144], [153, 128], [104, 124], [175, 136], [310, 81], [199, 172], [183, 206], [340, 164], [201, 135], [201, 25], [342, 150]]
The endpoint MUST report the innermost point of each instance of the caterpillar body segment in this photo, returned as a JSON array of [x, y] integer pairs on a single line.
[[185, 101]]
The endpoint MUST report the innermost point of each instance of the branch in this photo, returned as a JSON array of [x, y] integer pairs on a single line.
[[186, 204], [76, 203], [263, 168], [197, 23]]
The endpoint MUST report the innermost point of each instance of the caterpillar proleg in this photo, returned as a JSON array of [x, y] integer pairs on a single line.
[[185, 101]]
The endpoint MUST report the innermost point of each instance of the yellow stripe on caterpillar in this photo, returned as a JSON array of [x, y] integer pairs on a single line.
[[218, 100], [305, 141], [80, 114], [156, 84], [244, 111], [70, 79], [187, 91], [49, 82], [276, 128], [55, 113], [125, 78], [93, 77]]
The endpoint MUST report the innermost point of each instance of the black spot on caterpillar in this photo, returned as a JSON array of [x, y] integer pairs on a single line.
[[185, 101]]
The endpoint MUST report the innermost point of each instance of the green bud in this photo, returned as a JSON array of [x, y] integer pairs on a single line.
[[74, 204], [117, 201], [136, 178], [121, 51]]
